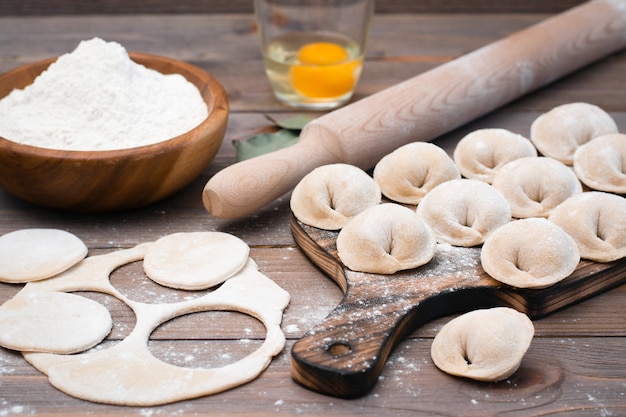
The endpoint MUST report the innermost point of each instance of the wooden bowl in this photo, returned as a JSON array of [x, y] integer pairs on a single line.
[[113, 180]]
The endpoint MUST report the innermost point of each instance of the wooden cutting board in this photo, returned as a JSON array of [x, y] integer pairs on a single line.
[[344, 355]]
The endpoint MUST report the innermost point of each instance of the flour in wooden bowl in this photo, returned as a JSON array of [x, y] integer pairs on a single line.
[[97, 98]]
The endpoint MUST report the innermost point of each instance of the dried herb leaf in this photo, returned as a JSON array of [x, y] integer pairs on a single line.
[[264, 143]]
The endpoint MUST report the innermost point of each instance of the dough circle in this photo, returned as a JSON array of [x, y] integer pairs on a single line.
[[35, 254], [559, 132], [412, 170], [464, 212], [53, 322], [481, 153], [194, 261], [485, 345], [601, 163], [330, 195], [385, 239], [597, 222], [529, 253], [535, 186]]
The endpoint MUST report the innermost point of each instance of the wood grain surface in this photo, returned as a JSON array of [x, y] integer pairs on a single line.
[[576, 364]]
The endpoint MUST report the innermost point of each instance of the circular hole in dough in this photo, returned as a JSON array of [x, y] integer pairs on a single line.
[[385, 239], [131, 281], [601, 163], [482, 152], [529, 253], [485, 345], [535, 186], [34, 254], [464, 212], [560, 131], [52, 322], [411, 171], [196, 260], [597, 222], [227, 337], [330, 195]]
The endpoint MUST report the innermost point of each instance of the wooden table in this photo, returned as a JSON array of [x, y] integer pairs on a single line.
[[576, 364]]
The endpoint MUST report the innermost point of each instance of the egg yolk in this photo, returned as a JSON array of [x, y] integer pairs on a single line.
[[323, 71]]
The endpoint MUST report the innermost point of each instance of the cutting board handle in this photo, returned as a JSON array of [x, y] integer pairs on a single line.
[[427, 105]]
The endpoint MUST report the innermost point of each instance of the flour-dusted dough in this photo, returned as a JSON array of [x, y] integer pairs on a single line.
[[480, 153], [529, 253], [535, 186], [45, 315], [412, 170], [485, 345], [601, 163], [330, 195], [127, 374], [52, 322], [464, 212], [597, 222], [385, 239], [559, 132], [34, 254], [194, 261]]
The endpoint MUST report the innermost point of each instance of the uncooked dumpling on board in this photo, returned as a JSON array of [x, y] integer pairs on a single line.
[[535, 186], [464, 212], [330, 195], [529, 253], [480, 153], [597, 222], [34, 254], [559, 132], [601, 163], [195, 260], [412, 170], [485, 345], [385, 239]]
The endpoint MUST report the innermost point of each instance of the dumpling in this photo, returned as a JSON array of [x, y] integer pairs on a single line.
[[385, 239], [529, 253], [559, 132], [535, 186], [597, 222], [464, 212], [330, 195], [485, 345], [409, 172], [479, 154], [601, 163]]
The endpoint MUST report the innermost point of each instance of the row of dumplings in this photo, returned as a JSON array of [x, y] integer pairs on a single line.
[[528, 209]]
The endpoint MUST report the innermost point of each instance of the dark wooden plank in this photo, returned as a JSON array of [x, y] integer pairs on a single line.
[[56, 7], [576, 377]]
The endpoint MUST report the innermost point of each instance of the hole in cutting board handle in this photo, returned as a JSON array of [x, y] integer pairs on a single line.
[[339, 349]]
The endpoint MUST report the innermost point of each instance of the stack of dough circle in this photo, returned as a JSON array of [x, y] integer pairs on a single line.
[[35, 254], [412, 170], [485, 345], [559, 132], [535, 186], [597, 222], [385, 239], [529, 253], [601, 163], [464, 212], [482, 152], [330, 195]]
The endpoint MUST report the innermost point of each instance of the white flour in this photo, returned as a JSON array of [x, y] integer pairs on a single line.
[[97, 98]]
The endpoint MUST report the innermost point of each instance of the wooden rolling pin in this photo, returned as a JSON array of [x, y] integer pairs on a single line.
[[425, 106]]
